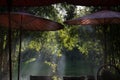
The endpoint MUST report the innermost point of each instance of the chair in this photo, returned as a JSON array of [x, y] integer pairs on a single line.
[[40, 78]]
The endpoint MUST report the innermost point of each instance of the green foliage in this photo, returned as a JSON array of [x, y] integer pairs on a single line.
[[52, 65], [56, 78], [35, 45], [84, 39], [69, 37]]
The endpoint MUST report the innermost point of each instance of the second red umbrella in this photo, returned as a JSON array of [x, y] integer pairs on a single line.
[[101, 17], [98, 18]]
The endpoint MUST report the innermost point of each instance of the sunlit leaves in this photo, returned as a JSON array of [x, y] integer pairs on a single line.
[[30, 60], [4, 44], [83, 49], [52, 65], [56, 78], [89, 46], [51, 42], [35, 45], [69, 37]]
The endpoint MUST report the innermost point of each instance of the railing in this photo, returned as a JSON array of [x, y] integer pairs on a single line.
[[64, 78]]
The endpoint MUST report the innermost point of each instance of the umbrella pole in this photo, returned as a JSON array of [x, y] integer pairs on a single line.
[[105, 43], [19, 55], [9, 2], [10, 47]]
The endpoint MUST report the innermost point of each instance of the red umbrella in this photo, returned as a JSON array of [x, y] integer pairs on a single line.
[[23, 3], [101, 17], [19, 20], [28, 22], [98, 18]]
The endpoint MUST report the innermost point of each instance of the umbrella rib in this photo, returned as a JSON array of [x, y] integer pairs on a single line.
[[19, 24]]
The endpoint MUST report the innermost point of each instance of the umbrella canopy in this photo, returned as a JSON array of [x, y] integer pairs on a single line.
[[23, 3], [101, 17], [28, 22]]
